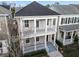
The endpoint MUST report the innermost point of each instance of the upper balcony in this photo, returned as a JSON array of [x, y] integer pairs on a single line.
[[33, 28]]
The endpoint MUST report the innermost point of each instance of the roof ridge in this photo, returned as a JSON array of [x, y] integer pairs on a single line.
[[34, 9]]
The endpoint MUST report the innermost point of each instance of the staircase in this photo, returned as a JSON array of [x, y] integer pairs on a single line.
[[52, 51]]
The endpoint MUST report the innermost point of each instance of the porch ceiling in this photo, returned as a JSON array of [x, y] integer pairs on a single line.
[[69, 27]]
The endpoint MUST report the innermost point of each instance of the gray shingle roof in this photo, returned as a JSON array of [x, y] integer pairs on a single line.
[[35, 9], [69, 27], [65, 9], [4, 10]]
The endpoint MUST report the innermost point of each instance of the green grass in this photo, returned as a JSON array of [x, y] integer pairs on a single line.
[[39, 53], [71, 50]]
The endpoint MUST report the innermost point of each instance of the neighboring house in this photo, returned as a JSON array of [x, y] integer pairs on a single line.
[[68, 22], [37, 26], [4, 33]]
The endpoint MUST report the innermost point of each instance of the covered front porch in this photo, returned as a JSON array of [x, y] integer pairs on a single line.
[[42, 42], [67, 33]]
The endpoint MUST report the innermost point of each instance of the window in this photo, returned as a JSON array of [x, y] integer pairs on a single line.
[[27, 40], [75, 20], [62, 34], [37, 23], [62, 20], [54, 20], [48, 22], [68, 35], [0, 44], [53, 37], [37, 38], [72, 19], [78, 19], [69, 20], [26, 23]]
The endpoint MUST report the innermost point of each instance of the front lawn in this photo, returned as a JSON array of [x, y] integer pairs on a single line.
[[71, 50], [39, 53]]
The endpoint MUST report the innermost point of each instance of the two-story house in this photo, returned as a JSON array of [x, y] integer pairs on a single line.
[[4, 33], [37, 26], [68, 22]]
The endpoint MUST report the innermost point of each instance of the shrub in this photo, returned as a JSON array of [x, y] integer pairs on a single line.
[[76, 39], [35, 53], [59, 43]]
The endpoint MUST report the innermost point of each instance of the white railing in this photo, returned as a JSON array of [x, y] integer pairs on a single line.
[[56, 46]]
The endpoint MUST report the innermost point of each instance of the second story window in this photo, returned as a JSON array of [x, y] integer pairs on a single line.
[[37, 38], [54, 21], [75, 20], [78, 19], [26, 23], [47, 21], [66, 21], [37, 23], [62, 20], [27, 40], [69, 20]]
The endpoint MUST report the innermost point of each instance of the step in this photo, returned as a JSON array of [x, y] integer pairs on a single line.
[[55, 54]]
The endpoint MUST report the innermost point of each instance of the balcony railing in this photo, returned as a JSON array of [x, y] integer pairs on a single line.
[[31, 48], [30, 32]]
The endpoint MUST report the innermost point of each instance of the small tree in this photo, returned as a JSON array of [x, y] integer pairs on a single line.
[[76, 39], [13, 12]]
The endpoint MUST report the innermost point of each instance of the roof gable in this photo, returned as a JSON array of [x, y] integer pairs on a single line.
[[35, 9]]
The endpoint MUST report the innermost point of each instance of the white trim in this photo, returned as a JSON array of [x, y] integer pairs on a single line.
[[35, 26], [64, 38], [54, 39], [35, 43], [4, 14], [45, 42]]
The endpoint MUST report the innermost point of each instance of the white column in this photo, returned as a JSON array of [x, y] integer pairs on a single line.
[[46, 25], [35, 43], [54, 39], [35, 33], [21, 24], [64, 38], [45, 42], [34, 25], [72, 36]]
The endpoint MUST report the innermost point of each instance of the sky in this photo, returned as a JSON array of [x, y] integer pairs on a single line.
[[24, 3]]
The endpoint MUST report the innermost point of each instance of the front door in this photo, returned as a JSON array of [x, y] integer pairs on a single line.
[[47, 38]]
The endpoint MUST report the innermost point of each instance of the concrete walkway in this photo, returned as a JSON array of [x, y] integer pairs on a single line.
[[55, 54], [52, 51]]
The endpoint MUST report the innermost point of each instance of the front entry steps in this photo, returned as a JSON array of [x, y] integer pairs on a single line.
[[52, 51], [55, 54]]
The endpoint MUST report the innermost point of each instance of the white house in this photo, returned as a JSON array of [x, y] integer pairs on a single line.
[[37, 26], [4, 33], [68, 22]]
